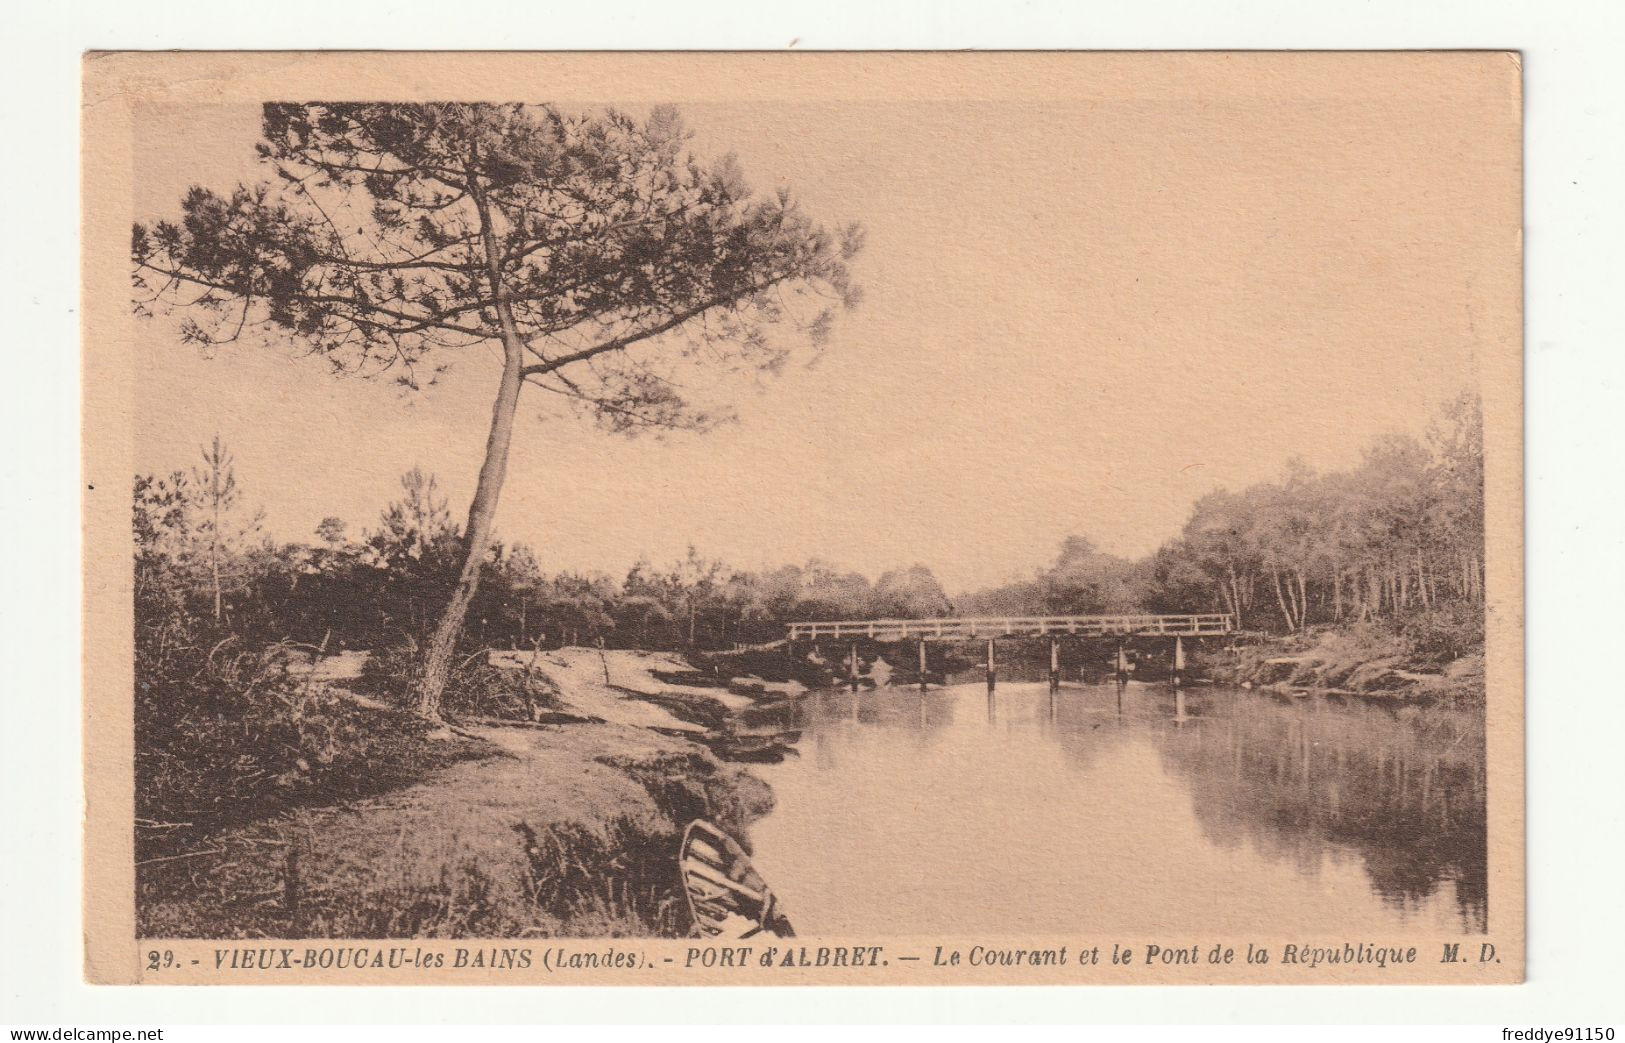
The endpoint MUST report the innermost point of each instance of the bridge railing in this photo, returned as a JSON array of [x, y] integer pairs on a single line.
[[965, 628]]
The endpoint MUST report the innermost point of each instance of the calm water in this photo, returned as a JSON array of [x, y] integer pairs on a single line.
[[1213, 810]]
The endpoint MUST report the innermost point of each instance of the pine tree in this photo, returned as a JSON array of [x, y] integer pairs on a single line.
[[592, 249], [218, 526]]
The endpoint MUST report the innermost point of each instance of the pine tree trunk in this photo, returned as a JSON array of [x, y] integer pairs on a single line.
[[214, 570], [214, 540], [442, 643]]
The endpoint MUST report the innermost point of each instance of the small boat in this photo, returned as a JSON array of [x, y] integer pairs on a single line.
[[755, 747], [727, 898]]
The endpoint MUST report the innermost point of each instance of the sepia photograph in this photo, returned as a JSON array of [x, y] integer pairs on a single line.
[[795, 519]]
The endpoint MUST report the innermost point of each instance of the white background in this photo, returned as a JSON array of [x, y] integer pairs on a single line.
[[1574, 347]]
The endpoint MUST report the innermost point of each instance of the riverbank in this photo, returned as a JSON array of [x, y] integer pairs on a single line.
[[563, 823], [554, 805], [1359, 659]]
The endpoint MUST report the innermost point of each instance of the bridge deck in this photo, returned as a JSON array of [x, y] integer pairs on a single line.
[[965, 629]]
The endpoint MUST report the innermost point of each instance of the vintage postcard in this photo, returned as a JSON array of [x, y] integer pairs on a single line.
[[839, 518]]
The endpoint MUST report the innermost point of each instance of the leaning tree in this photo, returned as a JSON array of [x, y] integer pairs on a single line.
[[591, 248]]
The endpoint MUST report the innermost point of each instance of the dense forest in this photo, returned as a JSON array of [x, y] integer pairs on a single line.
[[1400, 535]]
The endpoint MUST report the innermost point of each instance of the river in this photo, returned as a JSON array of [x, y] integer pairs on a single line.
[[1214, 810]]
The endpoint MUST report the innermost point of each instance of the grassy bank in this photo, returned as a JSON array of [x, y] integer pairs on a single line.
[[559, 818]]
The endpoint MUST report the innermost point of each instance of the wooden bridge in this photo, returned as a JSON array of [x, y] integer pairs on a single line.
[[987, 627], [991, 628]]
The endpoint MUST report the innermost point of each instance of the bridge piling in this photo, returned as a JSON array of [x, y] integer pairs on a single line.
[[990, 672], [1179, 660], [1054, 664], [852, 667], [922, 664]]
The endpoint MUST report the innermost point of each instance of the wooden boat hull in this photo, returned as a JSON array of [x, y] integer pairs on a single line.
[[727, 897]]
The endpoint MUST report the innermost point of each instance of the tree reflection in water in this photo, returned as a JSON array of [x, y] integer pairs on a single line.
[[1402, 786], [1146, 781]]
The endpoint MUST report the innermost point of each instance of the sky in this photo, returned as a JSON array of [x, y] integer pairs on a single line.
[[1078, 317]]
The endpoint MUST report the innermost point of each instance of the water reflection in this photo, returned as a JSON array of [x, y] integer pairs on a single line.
[[1124, 806]]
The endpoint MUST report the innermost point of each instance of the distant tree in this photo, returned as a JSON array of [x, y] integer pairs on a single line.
[[331, 531], [1025, 597], [578, 606], [163, 546], [414, 551], [911, 593], [592, 249], [158, 519], [332, 589], [1219, 538], [697, 579], [1393, 500], [647, 596], [219, 524], [1285, 526], [740, 599], [777, 594], [829, 593], [1456, 440], [1087, 580], [1177, 582], [1398, 535], [419, 524], [519, 579]]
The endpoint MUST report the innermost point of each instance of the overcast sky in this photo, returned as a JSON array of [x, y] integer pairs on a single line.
[[1078, 319]]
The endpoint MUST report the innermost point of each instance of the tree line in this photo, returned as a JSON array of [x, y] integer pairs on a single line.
[[204, 567], [1400, 534]]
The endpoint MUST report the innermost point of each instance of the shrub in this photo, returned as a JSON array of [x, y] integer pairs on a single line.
[[224, 736], [474, 689], [625, 875], [687, 786], [1445, 633]]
